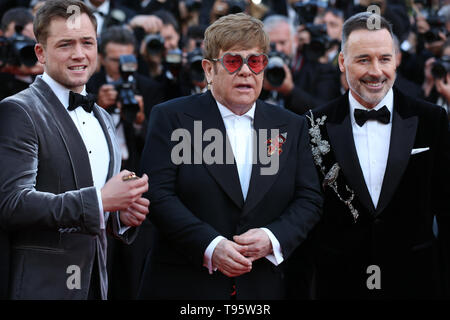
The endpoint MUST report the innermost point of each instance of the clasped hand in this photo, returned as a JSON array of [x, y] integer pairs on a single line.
[[234, 258]]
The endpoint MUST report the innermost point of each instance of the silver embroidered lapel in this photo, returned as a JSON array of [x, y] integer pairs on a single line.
[[319, 149]]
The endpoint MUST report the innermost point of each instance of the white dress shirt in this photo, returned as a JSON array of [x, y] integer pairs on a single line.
[[240, 134], [372, 142], [93, 137]]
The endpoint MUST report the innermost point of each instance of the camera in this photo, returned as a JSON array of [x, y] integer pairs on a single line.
[[441, 67], [194, 63], [275, 73], [17, 50], [154, 44], [320, 41], [173, 62], [307, 10], [437, 25], [126, 87]]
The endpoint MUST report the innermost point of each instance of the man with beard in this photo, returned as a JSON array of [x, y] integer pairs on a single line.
[[383, 159]]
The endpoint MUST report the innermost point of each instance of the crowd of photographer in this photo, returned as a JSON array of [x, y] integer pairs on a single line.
[[150, 51]]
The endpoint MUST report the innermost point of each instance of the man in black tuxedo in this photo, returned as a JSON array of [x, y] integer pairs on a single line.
[[226, 219], [383, 159], [60, 180]]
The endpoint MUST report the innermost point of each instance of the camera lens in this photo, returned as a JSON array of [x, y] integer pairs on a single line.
[[27, 56], [275, 71], [154, 44], [441, 67]]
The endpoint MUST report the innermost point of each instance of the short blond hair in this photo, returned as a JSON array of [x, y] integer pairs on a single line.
[[235, 31]]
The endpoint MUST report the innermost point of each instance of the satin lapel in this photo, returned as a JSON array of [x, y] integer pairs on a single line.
[[208, 115], [261, 181], [403, 135], [108, 131], [73, 142], [340, 133]]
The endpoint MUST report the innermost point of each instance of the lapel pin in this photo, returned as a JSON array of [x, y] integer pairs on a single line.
[[276, 144]]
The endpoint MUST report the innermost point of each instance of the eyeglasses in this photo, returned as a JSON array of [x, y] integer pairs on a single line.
[[233, 62]]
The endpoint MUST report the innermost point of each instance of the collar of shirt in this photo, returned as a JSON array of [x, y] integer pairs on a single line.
[[387, 101], [227, 113], [59, 90]]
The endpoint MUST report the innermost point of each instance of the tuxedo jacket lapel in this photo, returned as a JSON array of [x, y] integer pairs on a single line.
[[340, 133], [73, 142], [261, 183], [225, 174], [403, 134]]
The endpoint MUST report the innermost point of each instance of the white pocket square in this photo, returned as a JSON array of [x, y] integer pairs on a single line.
[[419, 150]]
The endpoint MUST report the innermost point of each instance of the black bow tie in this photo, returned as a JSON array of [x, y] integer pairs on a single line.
[[76, 100], [383, 115]]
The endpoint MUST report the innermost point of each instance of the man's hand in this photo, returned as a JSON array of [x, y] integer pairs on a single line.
[[140, 115], [229, 258], [107, 96], [257, 243], [120, 195], [286, 87], [150, 23], [136, 213]]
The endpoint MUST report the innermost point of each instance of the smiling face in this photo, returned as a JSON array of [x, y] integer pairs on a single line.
[[237, 91], [369, 64], [69, 55]]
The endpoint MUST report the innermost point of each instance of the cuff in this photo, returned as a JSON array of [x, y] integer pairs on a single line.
[[207, 257], [277, 256], [100, 208], [122, 229]]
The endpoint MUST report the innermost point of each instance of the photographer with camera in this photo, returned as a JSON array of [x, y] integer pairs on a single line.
[[334, 20], [128, 99], [18, 63], [192, 76], [313, 84], [437, 76], [159, 36]]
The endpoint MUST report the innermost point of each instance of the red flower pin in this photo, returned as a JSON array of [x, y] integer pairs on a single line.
[[276, 144]]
